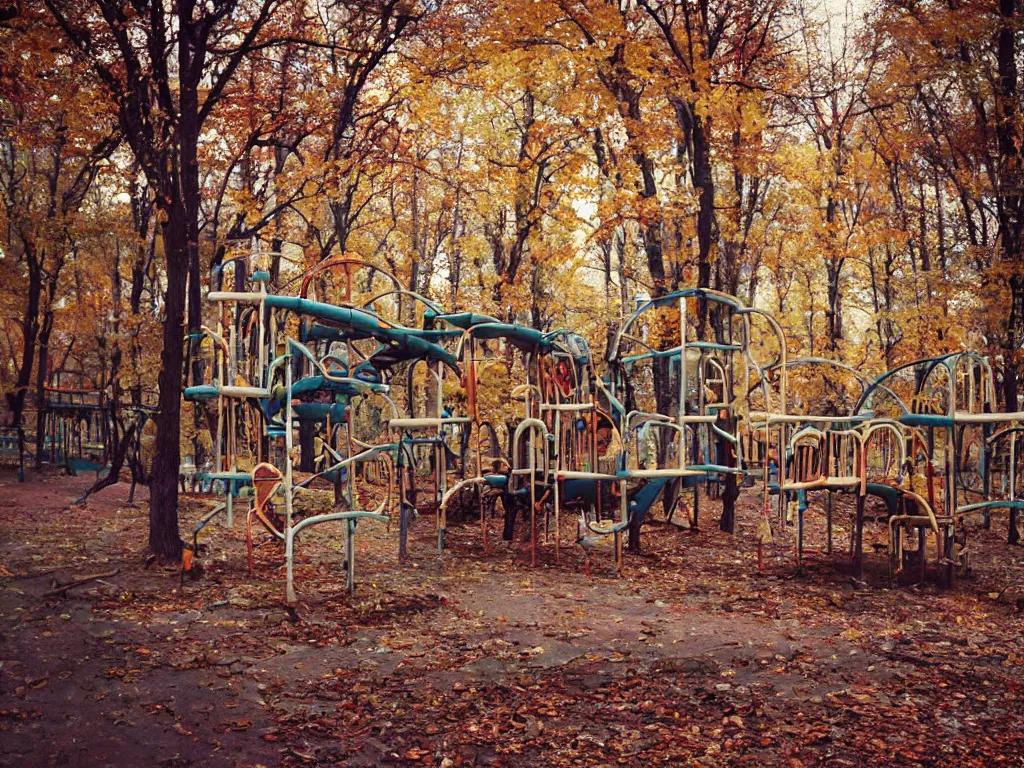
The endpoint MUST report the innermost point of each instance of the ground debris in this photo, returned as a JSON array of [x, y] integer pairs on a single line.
[[689, 657]]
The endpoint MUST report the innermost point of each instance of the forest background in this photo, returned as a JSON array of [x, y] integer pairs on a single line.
[[855, 170]]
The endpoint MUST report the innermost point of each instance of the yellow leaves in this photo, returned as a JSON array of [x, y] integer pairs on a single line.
[[752, 119], [495, 381], [664, 332]]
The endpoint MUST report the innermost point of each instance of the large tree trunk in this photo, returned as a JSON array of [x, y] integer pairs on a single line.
[[1011, 202], [704, 184], [164, 539]]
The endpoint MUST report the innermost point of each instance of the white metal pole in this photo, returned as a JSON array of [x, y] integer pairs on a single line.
[[289, 543], [681, 415]]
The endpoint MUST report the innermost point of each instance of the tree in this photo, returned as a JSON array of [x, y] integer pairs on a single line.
[[952, 71], [55, 144], [166, 68]]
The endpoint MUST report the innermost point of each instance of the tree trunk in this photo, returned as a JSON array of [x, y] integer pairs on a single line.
[[120, 452], [30, 331], [834, 308], [1011, 202], [1012, 340], [41, 375], [704, 183], [730, 489], [164, 539]]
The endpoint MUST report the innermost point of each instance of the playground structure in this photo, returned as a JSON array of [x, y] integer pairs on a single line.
[[75, 422], [342, 396], [69, 426]]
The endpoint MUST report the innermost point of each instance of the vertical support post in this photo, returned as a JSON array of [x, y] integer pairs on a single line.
[[289, 560], [623, 518], [441, 450], [921, 540], [403, 502], [533, 498], [946, 567], [403, 532], [261, 374], [289, 554], [799, 535], [780, 472], [859, 545], [479, 437], [353, 491], [480, 496], [559, 465], [218, 441], [350, 555], [1012, 536], [681, 409], [895, 548], [442, 524], [828, 521]]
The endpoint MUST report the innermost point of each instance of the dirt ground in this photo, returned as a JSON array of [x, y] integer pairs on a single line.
[[690, 656]]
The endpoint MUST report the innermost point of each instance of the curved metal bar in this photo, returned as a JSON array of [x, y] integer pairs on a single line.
[[442, 509], [533, 423], [346, 262], [306, 522], [931, 362], [351, 518], [805, 431], [997, 436], [292, 344], [430, 304], [612, 400], [506, 327], [780, 335], [215, 337], [669, 300], [895, 429], [520, 389], [863, 379]]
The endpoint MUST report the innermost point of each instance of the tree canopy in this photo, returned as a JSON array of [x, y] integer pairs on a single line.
[[858, 173]]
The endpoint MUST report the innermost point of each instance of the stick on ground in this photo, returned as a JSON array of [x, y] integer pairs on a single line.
[[80, 582]]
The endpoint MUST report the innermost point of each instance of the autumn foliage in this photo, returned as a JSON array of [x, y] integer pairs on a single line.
[[859, 176]]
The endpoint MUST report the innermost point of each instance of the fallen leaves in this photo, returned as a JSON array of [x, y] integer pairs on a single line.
[[695, 661], [233, 725], [181, 729]]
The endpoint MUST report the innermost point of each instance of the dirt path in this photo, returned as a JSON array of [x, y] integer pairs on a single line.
[[689, 657]]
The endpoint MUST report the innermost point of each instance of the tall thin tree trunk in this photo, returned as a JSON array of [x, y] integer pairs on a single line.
[[30, 332]]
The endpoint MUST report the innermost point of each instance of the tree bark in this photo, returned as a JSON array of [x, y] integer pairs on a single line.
[[1010, 202], [164, 539], [30, 331]]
